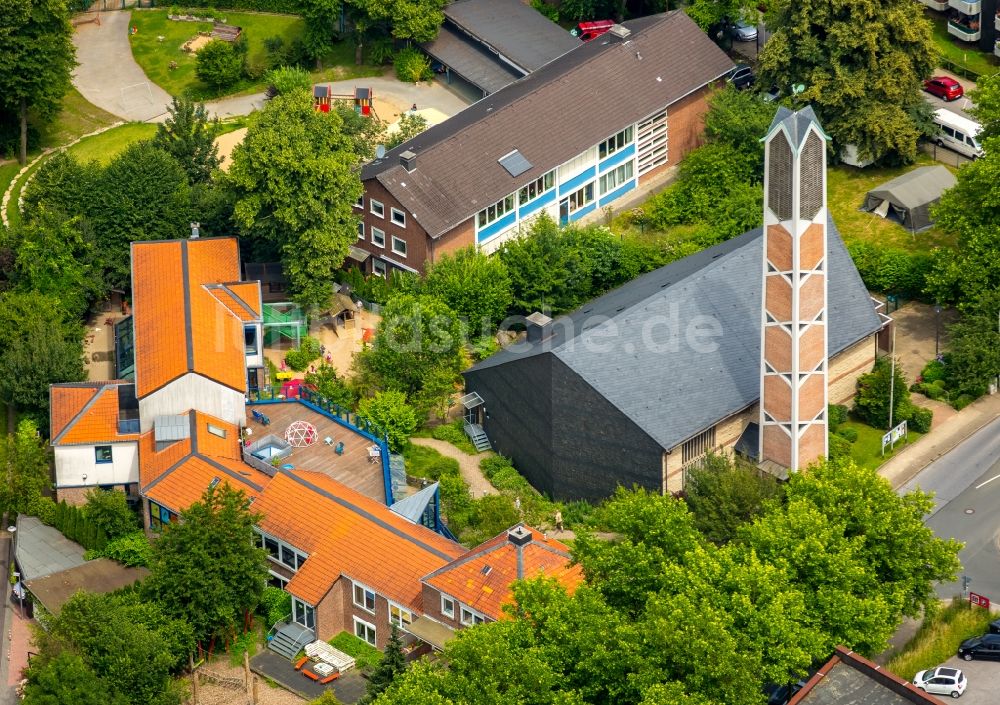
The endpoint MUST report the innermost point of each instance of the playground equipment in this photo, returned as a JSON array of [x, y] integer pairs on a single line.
[[301, 434], [363, 99]]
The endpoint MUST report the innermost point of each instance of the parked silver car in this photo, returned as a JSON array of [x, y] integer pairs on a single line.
[[941, 681], [744, 32]]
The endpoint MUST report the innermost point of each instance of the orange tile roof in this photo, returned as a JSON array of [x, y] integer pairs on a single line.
[[180, 324], [178, 475], [348, 534], [65, 402], [482, 578], [242, 298], [95, 421]]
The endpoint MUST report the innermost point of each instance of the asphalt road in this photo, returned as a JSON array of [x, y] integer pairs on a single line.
[[959, 106], [966, 484]]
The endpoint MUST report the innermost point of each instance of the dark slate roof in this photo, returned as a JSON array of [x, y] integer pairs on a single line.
[[510, 27], [550, 116], [621, 343], [796, 124], [474, 64], [849, 679]]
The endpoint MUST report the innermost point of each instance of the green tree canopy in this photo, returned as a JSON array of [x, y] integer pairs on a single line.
[[24, 464], [974, 345], [36, 59], [738, 119], [109, 511], [213, 548], [393, 664], [62, 185], [416, 20], [219, 65], [295, 185], [861, 63], [65, 678], [475, 286], [410, 125], [389, 411], [871, 402], [188, 135]]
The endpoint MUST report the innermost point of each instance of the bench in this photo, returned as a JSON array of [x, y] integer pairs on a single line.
[[330, 678], [300, 663], [310, 675]]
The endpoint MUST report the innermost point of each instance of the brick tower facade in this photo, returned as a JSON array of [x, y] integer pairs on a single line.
[[793, 395]]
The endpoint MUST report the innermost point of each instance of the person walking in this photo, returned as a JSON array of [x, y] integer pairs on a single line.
[[559, 522]]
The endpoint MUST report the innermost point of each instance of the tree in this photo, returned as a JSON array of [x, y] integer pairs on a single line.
[[295, 185], [864, 85], [334, 388], [188, 135], [143, 194], [871, 402], [724, 494], [410, 125], [36, 58], [418, 336], [474, 285], [974, 346], [288, 79], [392, 665], [986, 105], [364, 133], [65, 678], [219, 65], [61, 185], [110, 513], [739, 119], [212, 547], [416, 20], [320, 18], [24, 464], [393, 416], [39, 346]]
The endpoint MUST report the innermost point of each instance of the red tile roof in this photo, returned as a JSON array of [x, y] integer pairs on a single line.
[[85, 414], [347, 534], [180, 325], [482, 577], [177, 476]]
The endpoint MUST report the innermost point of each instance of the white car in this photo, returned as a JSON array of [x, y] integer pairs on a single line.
[[941, 681]]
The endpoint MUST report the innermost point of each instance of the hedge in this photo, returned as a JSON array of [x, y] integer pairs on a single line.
[[891, 270], [285, 7]]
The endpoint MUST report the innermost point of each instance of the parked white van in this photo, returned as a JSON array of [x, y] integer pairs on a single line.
[[958, 133]]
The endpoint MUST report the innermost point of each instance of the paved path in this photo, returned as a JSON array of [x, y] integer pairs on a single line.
[[110, 78], [468, 465]]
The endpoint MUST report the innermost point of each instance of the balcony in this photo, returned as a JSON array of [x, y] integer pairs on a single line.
[[967, 33], [966, 7], [939, 5]]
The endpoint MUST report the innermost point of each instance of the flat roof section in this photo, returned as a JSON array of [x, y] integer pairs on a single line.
[[42, 550], [474, 64], [100, 576]]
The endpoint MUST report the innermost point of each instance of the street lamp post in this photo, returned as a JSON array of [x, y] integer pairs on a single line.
[[937, 331]]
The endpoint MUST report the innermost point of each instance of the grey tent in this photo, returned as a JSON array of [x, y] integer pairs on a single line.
[[908, 198]]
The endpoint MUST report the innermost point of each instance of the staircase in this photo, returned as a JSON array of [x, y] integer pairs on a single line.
[[290, 639], [478, 437]]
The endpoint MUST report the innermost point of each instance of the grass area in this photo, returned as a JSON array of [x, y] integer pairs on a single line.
[[78, 118], [13, 214], [939, 637], [105, 146], [962, 54], [867, 450], [366, 657], [846, 189], [154, 56], [453, 433], [7, 174], [422, 461]]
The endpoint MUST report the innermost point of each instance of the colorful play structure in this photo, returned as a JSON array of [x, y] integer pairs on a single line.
[[323, 98], [284, 325]]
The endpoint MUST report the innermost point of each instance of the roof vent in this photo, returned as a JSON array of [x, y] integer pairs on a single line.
[[539, 327], [619, 32], [519, 536], [408, 160]]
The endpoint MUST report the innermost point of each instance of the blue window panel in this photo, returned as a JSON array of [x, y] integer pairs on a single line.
[[622, 155], [583, 211], [624, 188], [533, 206], [577, 181], [496, 226]]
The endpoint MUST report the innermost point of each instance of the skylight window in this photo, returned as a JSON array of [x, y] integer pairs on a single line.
[[514, 163]]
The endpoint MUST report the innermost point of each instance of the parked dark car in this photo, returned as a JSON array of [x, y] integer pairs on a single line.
[[995, 626], [742, 77], [781, 694], [986, 646], [944, 87]]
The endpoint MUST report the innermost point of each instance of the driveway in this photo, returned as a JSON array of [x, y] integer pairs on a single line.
[[983, 681], [109, 77]]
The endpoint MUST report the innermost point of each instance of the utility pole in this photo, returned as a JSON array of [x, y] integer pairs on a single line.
[[892, 376]]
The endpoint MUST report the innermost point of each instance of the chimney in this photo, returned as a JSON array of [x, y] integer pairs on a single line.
[[195, 230], [793, 385], [619, 32], [408, 160], [519, 537], [538, 327]]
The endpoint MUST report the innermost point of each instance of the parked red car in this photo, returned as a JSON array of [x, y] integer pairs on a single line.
[[944, 88]]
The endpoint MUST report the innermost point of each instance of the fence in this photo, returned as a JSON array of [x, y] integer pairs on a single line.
[[944, 155]]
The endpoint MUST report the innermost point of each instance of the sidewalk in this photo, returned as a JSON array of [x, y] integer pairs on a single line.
[[942, 438], [468, 465]]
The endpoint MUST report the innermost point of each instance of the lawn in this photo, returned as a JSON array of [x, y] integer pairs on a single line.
[[939, 637], [960, 54], [366, 657], [105, 146], [7, 174], [78, 117], [154, 55], [867, 450], [846, 187]]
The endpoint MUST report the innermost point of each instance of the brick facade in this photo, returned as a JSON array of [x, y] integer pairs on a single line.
[[845, 369], [432, 608], [414, 235], [686, 125], [73, 495]]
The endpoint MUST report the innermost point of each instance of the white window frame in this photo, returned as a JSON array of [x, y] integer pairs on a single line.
[[280, 577], [616, 176], [377, 234], [361, 230], [360, 203], [575, 203], [372, 204], [307, 609], [402, 624], [354, 596], [474, 617], [448, 613], [616, 142], [376, 263], [367, 625], [542, 185], [401, 221], [216, 430], [496, 211], [396, 251], [300, 557]]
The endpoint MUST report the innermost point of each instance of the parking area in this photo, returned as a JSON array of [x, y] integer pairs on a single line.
[[984, 681]]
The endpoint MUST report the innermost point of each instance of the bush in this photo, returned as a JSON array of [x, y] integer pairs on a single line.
[[454, 433], [839, 447], [130, 550], [366, 657], [493, 464], [110, 512], [286, 80], [300, 358], [425, 462], [848, 434], [393, 417], [889, 269], [963, 401], [412, 65], [381, 51], [934, 371], [920, 419], [837, 414], [275, 604], [219, 65], [44, 508]]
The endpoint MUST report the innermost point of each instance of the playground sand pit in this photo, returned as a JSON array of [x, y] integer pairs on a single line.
[[431, 115], [193, 45], [226, 143]]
